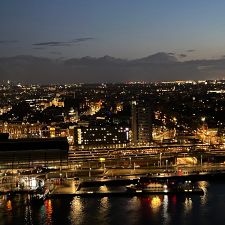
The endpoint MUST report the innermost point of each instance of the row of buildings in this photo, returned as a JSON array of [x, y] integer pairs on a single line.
[[86, 135]]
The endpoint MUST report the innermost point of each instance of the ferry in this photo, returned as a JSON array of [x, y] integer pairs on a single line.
[[156, 187]]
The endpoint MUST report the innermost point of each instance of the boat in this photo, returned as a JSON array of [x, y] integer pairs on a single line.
[[158, 187], [39, 196]]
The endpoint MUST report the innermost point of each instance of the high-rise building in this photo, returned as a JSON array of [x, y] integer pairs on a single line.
[[141, 123]]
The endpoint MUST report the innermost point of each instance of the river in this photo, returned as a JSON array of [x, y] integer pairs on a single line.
[[162, 209]]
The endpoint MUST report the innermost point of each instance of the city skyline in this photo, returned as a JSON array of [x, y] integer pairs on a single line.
[[112, 112]]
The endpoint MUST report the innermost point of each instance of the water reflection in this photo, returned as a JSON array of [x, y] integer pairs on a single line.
[[133, 203], [48, 211], [103, 211], [9, 205], [152, 203], [155, 204], [187, 205], [104, 202], [28, 215], [165, 209], [42, 214], [204, 185], [76, 214]]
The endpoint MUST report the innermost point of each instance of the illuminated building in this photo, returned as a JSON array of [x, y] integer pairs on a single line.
[[21, 130], [101, 136], [57, 102], [73, 115], [141, 123], [20, 156]]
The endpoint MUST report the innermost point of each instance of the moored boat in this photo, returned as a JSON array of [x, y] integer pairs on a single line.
[[156, 187], [39, 196]]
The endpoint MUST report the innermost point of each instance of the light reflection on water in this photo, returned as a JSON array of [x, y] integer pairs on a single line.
[[204, 185], [187, 205], [9, 205], [76, 212], [49, 211], [166, 215], [158, 209], [28, 215], [155, 203], [104, 205]]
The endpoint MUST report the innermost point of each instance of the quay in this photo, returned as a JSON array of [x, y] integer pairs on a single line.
[[88, 187]]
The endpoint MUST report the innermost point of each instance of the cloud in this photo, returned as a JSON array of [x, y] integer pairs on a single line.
[[182, 55], [191, 50], [8, 41], [63, 43], [107, 69], [171, 53], [39, 48], [55, 53], [82, 39], [53, 43]]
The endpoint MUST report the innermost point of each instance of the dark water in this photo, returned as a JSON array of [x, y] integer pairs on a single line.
[[207, 209]]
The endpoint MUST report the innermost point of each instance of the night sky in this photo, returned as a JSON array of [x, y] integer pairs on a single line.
[[127, 29]]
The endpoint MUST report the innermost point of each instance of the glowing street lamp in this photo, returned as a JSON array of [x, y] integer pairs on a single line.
[[160, 159]]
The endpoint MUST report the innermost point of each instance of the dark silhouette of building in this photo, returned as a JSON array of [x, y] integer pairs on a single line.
[[23, 153], [4, 136]]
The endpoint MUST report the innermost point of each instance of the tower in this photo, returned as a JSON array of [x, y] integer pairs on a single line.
[[141, 123]]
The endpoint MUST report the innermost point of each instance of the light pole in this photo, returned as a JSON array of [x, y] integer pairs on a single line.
[[104, 168], [90, 172], [160, 159], [166, 164]]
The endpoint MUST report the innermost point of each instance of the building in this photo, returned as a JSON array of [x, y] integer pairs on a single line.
[[21, 129], [33, 152], [141, 124], [101, 136]]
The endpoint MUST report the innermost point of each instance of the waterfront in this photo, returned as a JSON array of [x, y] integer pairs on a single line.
[[206, 209]]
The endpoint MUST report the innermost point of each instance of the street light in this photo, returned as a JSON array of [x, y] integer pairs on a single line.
[[166, 164], [90, 172], [104, 168], [160, 159]]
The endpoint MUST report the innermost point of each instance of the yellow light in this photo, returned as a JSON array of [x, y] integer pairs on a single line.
[[156, 202], [9, 205]]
